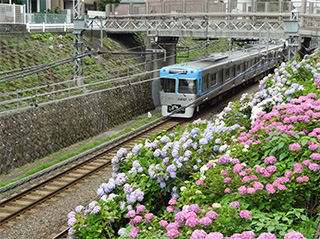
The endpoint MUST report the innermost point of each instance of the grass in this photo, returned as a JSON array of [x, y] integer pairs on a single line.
[[77, 152]]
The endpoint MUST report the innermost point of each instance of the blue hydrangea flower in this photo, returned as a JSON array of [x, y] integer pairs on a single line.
[[136, 164], [122, 231], [162, 184], [174, 153], [171, 168], [131, 198], [165, 139], [136, 149], [187, 154], [127, 188], [157, 153], [92, 204], [121, 178], [79, 208], [95, 210], [121, 152], [173, 175], [138, 194], [100, 192], [203, 141], [195, 167]]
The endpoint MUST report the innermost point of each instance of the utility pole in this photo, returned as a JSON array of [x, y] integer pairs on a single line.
[[78, 29]]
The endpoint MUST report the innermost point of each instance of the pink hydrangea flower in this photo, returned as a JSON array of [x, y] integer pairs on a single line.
[[271, 169], [173, 233], [205, 221], [251, 190], [227, 180], [246, 179], [254, 177], [212, 215], [270, 189], [210, 165], [131, 214], [294, 235], [163, 223], [257, 185], [314, 167], [140, 208], [214, 235], [227, 190], [313, 147], [192, 222], [294, 147], [181, 216], [136, 220], [288, 174], [267, 235], [315, 156], [194, 208], [235, 161], [225, 173], [148, 217], [198, 234], [237, 168], [235, 204], [134, 232], [242, 190], [270, 160], [260, 170], [199, 182], [172, 225], [248, 235], [248, 170], [170, 209], [172, 202], [245, 214], [306, 162]]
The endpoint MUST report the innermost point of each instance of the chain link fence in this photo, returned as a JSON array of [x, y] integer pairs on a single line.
[[12, 14]]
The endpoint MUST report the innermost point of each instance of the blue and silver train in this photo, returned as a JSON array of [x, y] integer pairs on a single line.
[[185, 87]]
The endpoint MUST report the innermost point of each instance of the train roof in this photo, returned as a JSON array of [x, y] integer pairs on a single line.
[[218, 59]]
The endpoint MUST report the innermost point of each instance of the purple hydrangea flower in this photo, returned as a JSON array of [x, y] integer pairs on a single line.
[[171, 168], [79, 208], [95, 210]]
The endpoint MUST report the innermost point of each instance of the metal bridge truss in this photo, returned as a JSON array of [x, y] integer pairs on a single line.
[[224, 25], [204, 26]]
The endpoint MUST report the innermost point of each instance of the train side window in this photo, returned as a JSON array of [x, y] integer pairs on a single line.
[[227, 73], [204, 83], [214, 79], [238, 69], [232, 71], [168, 85], [220, 76]]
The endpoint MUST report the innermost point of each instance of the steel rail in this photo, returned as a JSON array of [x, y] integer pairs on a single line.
[[82, 164]]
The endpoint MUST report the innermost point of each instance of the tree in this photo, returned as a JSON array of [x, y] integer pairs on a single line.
[[103, 3]]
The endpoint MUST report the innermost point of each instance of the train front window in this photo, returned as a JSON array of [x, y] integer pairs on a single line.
[[168, 85], [187, 86]]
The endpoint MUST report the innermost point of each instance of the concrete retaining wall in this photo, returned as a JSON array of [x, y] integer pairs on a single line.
[[34, 133]]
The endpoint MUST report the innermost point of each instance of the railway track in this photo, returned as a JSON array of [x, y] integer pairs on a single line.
[[41, 195]]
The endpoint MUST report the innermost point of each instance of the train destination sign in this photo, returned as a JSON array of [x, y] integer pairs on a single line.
[[178, 71]]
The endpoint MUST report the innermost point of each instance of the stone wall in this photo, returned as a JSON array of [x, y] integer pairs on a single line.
[[34, 133]]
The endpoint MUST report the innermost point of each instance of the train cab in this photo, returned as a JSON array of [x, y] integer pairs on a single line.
[[179, 87]]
